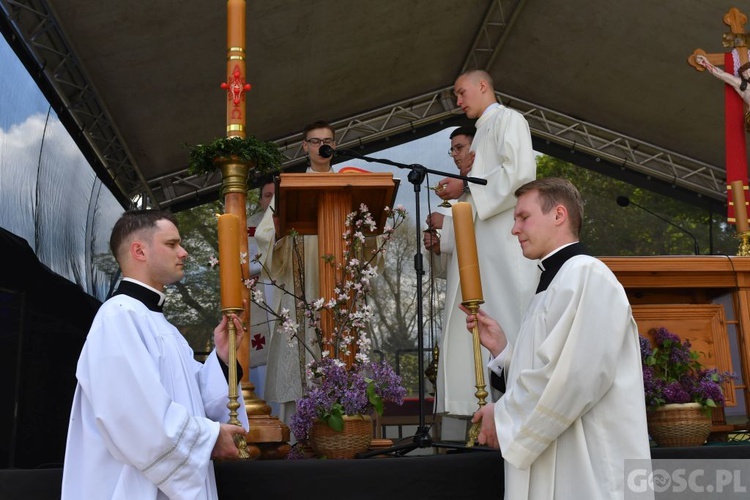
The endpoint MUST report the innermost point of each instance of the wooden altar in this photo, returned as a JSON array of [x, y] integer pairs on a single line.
[[702, 298]]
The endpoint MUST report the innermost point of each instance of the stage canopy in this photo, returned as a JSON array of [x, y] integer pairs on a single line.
[[605, 83]]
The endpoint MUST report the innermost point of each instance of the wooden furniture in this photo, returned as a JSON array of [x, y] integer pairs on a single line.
[[686, 294], [319, 203], [405, 415]]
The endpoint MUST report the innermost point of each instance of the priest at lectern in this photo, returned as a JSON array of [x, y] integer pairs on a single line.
[[285, 371]]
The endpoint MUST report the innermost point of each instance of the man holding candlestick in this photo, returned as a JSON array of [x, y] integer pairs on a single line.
[[145, 416], [574, 409], [503, 155]]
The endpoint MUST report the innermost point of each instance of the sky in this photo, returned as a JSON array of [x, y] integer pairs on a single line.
[[430, 152]]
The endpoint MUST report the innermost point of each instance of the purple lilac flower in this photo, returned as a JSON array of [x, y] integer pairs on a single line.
[[646, 350], [388, 384], [674, 392], [663, 335]]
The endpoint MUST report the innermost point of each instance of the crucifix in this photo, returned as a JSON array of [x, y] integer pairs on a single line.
[[736, 104]]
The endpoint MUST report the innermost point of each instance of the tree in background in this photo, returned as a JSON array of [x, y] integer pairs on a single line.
[[612, 230], [394, 301]]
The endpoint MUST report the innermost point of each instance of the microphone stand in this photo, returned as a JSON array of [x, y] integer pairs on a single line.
[[416, 176]]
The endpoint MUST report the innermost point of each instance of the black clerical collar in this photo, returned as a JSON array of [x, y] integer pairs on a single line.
[[150, 298], [554, 262]]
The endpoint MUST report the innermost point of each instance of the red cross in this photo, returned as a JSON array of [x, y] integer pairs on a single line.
[[258, 341]]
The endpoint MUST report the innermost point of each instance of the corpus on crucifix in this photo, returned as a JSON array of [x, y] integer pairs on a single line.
[[735, 75]]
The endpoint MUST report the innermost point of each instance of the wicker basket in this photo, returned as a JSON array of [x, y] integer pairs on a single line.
[[355, 438], [679, 425]]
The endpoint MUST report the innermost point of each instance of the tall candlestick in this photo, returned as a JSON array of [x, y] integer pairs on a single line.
[[229, 261], [466, 250], [740, 210]]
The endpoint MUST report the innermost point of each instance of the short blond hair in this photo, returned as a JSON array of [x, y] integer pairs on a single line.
[[555, 191]]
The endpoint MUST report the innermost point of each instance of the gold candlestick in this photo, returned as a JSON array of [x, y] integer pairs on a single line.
[[481, 393], [234, 404], [744, 249]]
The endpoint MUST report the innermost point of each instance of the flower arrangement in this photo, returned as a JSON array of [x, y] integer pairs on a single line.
[[336, 391], [342, 380], [673, 374]]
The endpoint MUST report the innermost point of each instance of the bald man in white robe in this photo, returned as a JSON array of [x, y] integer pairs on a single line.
[[503, 155]]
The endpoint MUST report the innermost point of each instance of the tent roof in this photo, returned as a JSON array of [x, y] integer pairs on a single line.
[[607, 80]]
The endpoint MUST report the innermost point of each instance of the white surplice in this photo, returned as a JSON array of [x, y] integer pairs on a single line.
[[145, 414], [285, 369], [261, 322], [574, 409], [505, 158]]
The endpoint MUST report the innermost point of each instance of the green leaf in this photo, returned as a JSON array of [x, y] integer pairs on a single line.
[[375, 400], [336, 419]]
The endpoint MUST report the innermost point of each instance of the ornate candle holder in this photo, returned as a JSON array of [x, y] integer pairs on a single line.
[[234, 404], [481, 393], [744, 248]]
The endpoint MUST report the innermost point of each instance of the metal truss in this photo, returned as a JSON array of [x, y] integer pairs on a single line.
[[604, 145], [356, 132], [598, 143], [496, 26], [32, 22]]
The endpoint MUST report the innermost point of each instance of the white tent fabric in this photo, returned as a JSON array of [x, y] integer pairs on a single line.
[[49, 195]]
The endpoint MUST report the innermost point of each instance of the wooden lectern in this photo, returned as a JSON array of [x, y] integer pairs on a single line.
[[319, 203]]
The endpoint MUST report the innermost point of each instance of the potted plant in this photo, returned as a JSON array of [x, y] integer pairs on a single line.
[[680, 393], [265, 156], [344, 386]]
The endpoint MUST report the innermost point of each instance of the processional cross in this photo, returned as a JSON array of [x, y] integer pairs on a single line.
[[736, 101]]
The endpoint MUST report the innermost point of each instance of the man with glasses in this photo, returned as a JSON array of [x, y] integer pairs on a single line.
[[503, 155], [285, 377], [315, 135]]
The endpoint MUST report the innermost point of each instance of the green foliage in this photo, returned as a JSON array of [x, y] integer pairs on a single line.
[[265, 155], [373, 397], [612, 230], [193, 304]]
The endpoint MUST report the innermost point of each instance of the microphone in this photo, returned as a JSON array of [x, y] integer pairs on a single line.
[[326, 151], [624, 201]]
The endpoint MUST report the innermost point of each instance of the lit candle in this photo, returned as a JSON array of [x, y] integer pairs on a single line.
[[466, 250], [229, 261], [740, 210]]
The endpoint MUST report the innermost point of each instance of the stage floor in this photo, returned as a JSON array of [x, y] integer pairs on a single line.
[[469, 475]]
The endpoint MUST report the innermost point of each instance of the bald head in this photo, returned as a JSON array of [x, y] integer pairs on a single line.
[[477, 76], [474, 91]]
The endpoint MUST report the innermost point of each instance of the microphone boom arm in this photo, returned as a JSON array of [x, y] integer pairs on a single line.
[[327, 151], [624, 201]]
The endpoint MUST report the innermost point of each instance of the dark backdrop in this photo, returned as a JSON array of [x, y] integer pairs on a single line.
[[44, 319]]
